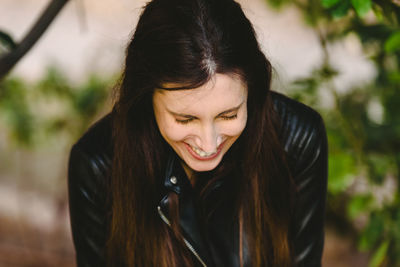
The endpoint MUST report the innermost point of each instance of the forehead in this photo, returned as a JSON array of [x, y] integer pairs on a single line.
[[221, 92]]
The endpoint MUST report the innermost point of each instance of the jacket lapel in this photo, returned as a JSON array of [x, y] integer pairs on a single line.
[[176, 181]]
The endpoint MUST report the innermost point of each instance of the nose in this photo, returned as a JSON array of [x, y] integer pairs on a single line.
[[208, 138]]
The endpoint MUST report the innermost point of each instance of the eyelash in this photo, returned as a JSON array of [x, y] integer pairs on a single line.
[[222, 117], [183, 121], [229, 117]]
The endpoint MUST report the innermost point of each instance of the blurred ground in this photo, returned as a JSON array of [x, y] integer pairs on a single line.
[[340, 251], [23, 244]]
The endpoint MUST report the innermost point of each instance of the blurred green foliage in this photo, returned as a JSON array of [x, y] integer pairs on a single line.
[[364, 124], [53, 106]]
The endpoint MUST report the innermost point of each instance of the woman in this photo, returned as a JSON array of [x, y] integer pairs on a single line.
[[199, 163]]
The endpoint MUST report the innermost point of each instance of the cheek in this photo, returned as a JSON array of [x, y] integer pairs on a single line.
[[235, 128], [168, 127], [173, 132]]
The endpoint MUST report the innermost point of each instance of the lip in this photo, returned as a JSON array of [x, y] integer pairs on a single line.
[[194, 154]]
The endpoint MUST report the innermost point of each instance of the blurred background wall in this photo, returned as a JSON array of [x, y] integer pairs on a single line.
[[338, 56]]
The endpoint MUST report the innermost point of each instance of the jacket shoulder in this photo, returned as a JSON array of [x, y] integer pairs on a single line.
[[302, 133], [88, 175], [288, 106], [98, 138], [94, 148], [302, 130]]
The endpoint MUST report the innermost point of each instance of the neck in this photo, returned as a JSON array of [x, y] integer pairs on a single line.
[[189, 173]]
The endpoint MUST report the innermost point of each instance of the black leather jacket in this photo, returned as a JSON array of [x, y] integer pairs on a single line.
[[304, 138]]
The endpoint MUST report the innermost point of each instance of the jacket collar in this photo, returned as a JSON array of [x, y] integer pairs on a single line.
[[176, 180]]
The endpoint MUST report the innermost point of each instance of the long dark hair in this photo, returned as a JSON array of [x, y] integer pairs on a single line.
[[186, 42]]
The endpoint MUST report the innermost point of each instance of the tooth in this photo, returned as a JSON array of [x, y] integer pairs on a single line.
[[201, 153]]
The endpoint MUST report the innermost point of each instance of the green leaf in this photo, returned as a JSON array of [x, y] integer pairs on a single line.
[[378, 12], [341, 9], [341, 172], [15, 109], [7, 40], [54, 83], [392, 44], [394, 77], [379, 255], [379, 166], [358, 204], [373, 232], [361, 6], [329, 3]]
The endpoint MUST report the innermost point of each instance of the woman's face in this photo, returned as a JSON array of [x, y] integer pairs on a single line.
[[201, 124]]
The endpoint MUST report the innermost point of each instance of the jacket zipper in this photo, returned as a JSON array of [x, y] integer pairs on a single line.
[[189, 246]]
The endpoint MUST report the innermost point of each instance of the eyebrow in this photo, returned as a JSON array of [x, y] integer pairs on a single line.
[[194, 117]]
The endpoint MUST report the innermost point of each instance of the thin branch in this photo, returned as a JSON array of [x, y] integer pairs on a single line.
[[8, 61]]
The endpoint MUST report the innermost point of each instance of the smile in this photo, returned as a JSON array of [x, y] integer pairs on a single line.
[[202, 155]]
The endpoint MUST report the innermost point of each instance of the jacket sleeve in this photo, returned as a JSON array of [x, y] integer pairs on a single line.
[[309, 147], [87, 208]]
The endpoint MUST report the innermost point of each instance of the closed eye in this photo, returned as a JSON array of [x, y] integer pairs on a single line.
[[229, 117], [184, 121]]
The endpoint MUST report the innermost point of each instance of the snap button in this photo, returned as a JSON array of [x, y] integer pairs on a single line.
[[173, 180]]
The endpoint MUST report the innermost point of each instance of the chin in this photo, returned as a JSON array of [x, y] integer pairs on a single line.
[[203, 167]]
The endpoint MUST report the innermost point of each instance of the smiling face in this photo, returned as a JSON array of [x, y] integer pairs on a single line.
[[201, 124]]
